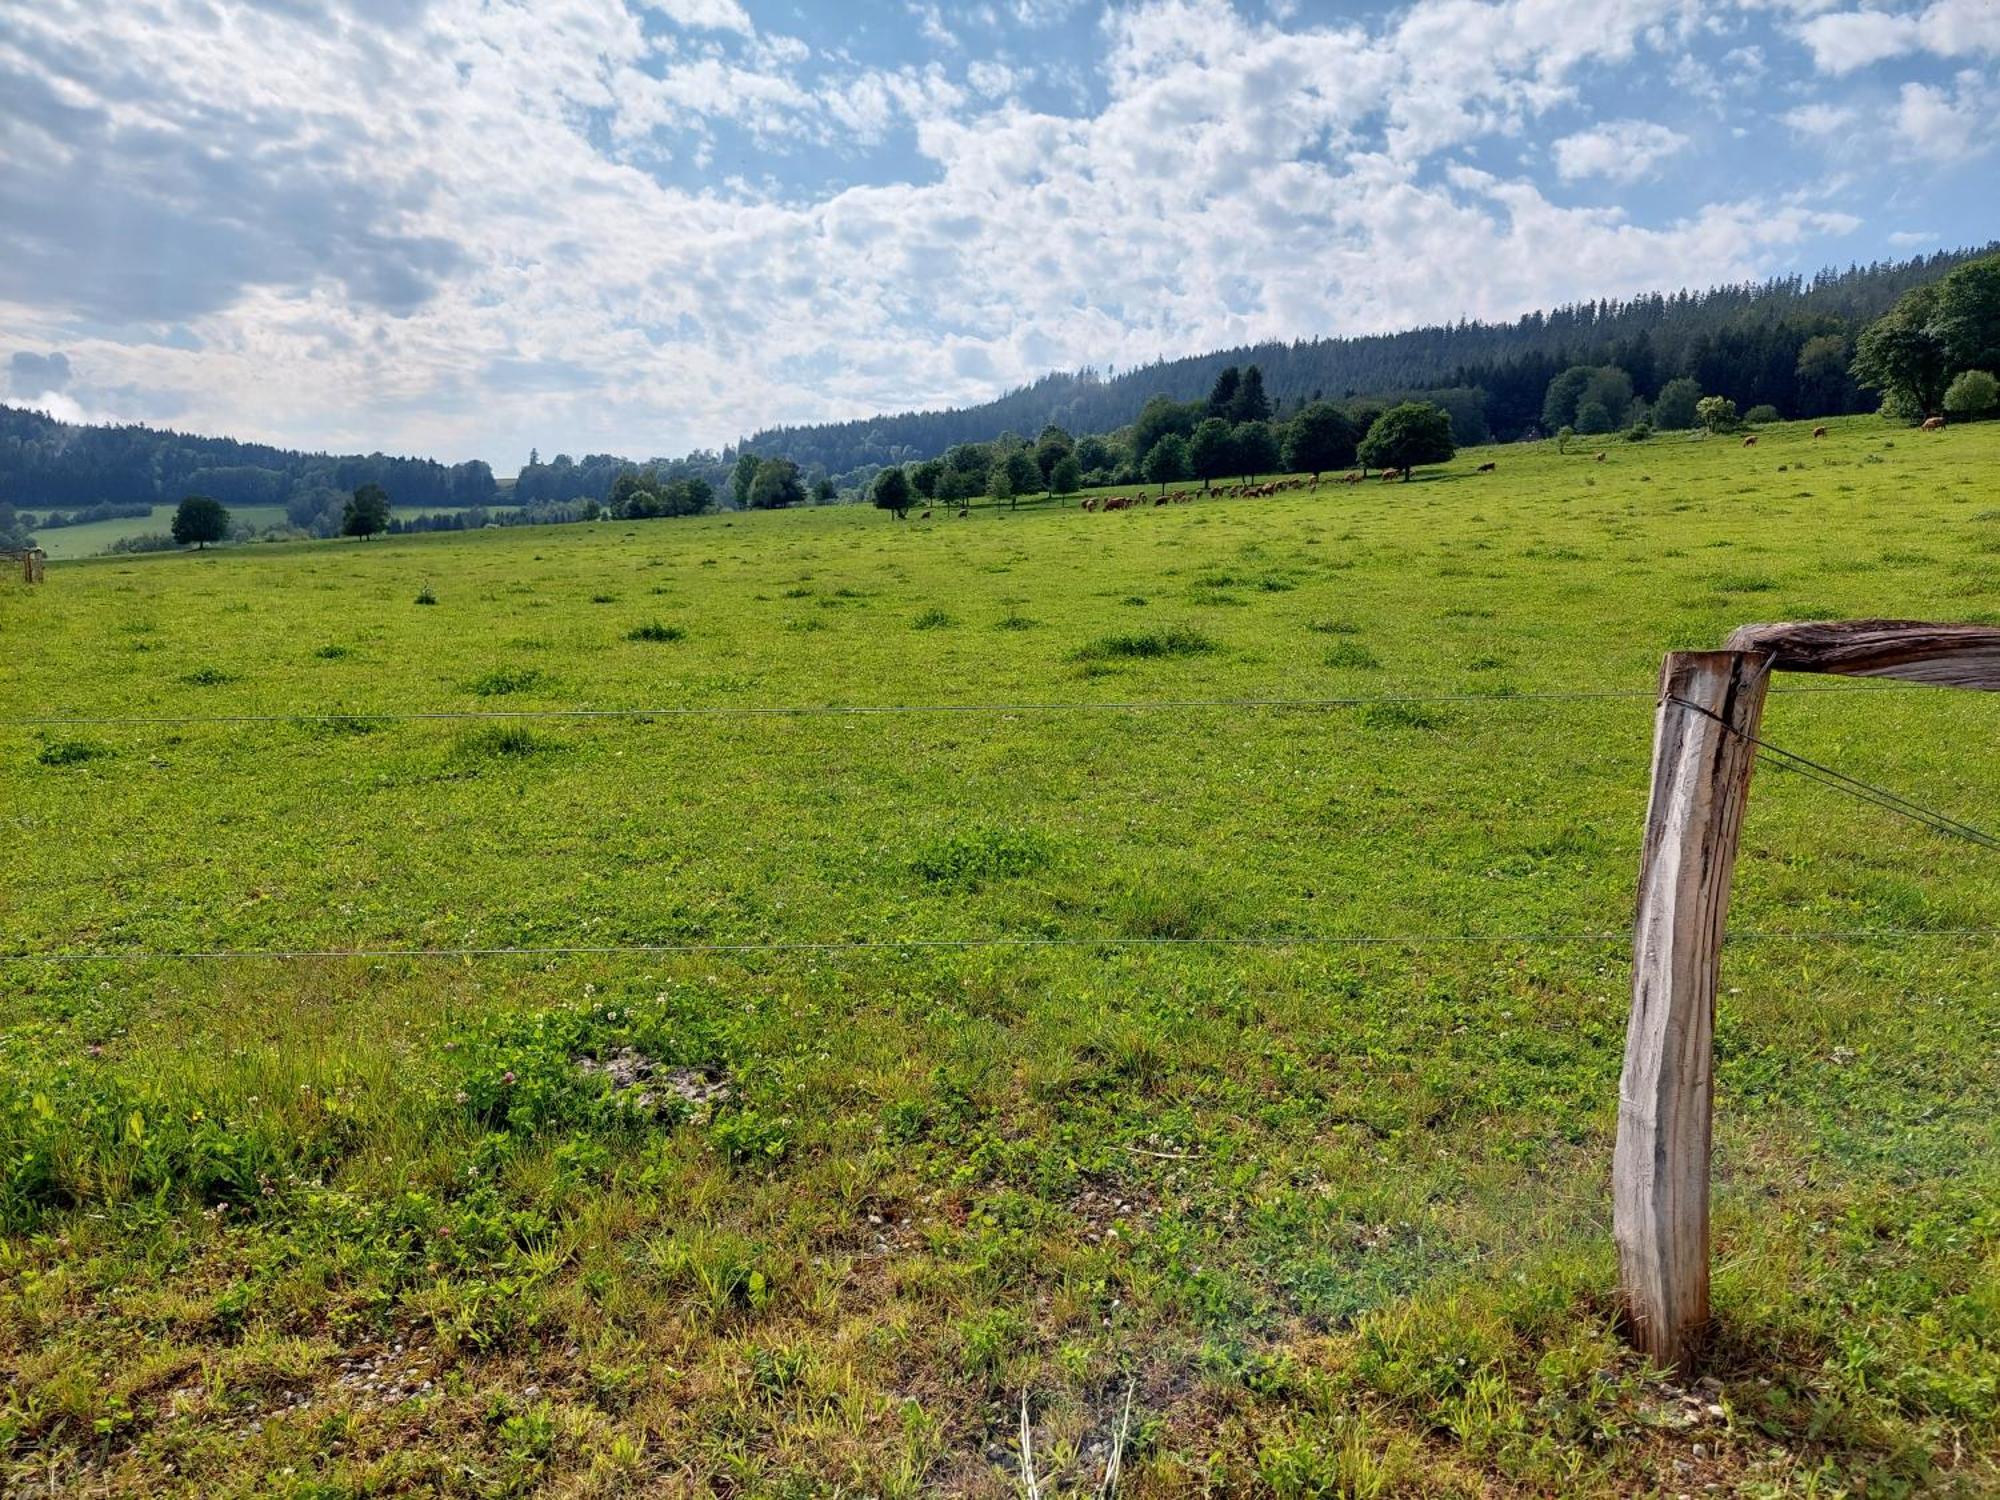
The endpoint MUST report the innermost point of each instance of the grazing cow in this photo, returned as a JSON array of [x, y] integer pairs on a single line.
[[1819, 432], [1933, 424], [1353, 476], [1389, 474], [1750, 441], [1599, 458], [1485, 468], [926, 515]]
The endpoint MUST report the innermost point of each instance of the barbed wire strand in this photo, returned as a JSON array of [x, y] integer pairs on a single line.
[[1852, 786], [866, 945], [860, 710]]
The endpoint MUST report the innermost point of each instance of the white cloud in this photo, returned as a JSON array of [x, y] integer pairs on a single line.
[[711, 15], [1848, 40], [1820, 121], [1946, 125], [455, 233], [1620, 150]]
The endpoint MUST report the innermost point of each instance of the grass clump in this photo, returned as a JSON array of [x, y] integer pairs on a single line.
[[656, 631], [1167, 641], [967, 860], [504, 742], [71, 753], [208, 677], [1352, 654], [933, 619], [503, 681]]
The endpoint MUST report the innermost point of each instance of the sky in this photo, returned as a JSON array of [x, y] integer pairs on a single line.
[[467, 228]]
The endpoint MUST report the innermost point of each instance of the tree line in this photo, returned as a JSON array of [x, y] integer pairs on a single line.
[[1899, 337], [1740, 341]]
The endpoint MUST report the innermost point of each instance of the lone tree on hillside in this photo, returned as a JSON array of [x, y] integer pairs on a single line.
[[1254, 445], [1404, 436], [1716, 414], [776, 484], [893, 492], [1974, 394], [1673, 411], [200, 520], [1211, 453], [366, 513], [1319, 438], [1066, 477], [1166, 461], [742, 477]]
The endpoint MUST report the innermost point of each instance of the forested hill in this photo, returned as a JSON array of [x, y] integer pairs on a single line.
[[1740, 341], [60, 465]]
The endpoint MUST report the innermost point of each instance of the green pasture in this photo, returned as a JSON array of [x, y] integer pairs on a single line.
[[95, 537], [1327, 1201]]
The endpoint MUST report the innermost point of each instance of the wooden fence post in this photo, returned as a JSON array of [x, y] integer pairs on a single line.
[[1709, 702], [1710, 705]]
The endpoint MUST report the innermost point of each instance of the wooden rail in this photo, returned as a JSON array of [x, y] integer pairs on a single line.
[[1711, 704]]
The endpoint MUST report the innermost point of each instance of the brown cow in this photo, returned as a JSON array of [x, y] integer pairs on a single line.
[[1819, 432], [1389, 474], [1353, 477], [1750, 441], [1933, 424], [1485, 468], [925, 516], [1600, 458]]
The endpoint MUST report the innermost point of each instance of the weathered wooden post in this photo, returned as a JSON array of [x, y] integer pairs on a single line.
[[1711, 703]]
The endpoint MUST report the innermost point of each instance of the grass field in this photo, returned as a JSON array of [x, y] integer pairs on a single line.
[[1335, 1215], [95, 537]]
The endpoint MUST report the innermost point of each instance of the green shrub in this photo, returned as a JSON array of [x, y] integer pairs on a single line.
[[655, 631], [1759, 416]]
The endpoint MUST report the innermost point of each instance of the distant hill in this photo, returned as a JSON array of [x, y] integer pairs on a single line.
[[1667, 333], [1738, 341], [47, 465]]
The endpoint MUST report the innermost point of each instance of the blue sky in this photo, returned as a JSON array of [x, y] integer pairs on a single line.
[[472, 227]]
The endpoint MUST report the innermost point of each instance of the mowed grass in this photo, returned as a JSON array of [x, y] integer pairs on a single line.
[[1335, 1216]]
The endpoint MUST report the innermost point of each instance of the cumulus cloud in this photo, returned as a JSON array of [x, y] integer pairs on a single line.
[[713, 15], [1946, 124], [1620, 150], [1847, 40], [469, 226]]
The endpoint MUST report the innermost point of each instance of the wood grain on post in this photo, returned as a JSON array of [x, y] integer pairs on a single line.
[[1966, 656], [1710, 703]]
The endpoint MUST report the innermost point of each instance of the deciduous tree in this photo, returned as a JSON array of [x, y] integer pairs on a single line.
[[1404, 436], [367, 512], [200, 520]]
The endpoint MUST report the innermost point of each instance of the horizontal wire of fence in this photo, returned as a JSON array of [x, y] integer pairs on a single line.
[[1419, 940]]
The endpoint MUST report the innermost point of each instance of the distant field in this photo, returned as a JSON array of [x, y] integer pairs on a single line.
[[1335, 1215], [67, 542]]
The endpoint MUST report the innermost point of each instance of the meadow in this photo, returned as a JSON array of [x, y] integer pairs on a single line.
[[1252, 1065], [94, 537]]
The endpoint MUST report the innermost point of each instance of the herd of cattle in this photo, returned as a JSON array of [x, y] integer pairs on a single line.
[[1354, 476], [1236, 491]]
